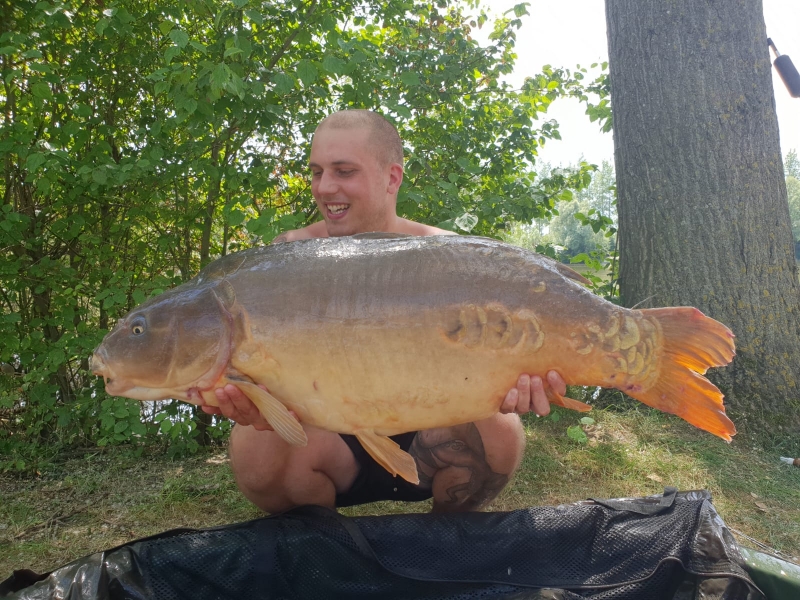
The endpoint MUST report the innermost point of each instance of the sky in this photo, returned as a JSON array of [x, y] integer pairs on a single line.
[[571, 32]]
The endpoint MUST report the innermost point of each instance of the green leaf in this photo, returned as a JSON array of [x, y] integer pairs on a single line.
[[180, 37], [410, 78], [34, 161], [403, 111], [162, 86], [231, 51], [307, 72], [100, 176], [255, 16], [333, 64], [169, 54], [101, 25], [41, 90], [198, 46], [165, 27], [235, 217], [587, 421], [283, 83], [220, 76], [576, 434]]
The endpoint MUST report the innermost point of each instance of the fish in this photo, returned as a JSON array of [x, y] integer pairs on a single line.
[[379, 334]]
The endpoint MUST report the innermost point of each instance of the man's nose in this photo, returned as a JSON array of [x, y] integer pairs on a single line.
[[327, 184]]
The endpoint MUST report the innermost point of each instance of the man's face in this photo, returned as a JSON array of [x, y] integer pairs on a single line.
[[354, 192]]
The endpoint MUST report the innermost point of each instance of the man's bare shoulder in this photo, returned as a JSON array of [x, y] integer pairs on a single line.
[[414, 228], [315, 230]]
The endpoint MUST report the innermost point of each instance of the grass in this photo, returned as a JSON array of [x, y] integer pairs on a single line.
[[98, 500]]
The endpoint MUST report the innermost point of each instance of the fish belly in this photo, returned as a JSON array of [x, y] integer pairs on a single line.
[[420, 371]]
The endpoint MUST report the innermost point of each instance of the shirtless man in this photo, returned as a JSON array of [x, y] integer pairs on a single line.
[[356, 170]]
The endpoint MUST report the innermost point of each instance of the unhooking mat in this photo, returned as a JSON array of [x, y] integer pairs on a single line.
[[671, 546]]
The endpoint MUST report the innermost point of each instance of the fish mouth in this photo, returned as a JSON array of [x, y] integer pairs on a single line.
[[118, 387], [98, 366]]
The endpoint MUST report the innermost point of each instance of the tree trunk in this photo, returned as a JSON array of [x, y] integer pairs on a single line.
[[703, 210]]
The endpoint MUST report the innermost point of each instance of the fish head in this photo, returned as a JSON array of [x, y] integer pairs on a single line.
[[172, 346]]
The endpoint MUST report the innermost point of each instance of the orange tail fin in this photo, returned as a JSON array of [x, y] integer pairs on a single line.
[[693, 342]]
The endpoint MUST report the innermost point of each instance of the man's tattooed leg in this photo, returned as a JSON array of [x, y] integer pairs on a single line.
[[460, 451]]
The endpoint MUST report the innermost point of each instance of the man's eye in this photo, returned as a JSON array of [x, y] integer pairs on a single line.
[[344, 173]]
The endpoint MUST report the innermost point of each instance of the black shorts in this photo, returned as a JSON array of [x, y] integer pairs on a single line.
[[374, 483]]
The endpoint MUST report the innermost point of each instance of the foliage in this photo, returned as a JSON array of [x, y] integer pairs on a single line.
[[792, 171], [791, 166], [141, 141], [582, 229]]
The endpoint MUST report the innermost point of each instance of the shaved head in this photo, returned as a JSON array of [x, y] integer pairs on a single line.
[[383, 136]]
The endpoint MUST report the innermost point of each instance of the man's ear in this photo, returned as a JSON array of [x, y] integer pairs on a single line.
[[395, 178]]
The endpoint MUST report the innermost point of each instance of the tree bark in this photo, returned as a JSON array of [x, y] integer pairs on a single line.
[[703, 210]]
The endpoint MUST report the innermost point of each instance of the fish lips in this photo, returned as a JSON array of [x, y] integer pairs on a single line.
[[98, 366], [118, 387]]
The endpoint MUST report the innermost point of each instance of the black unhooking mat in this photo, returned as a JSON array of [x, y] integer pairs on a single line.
[[671, 546]]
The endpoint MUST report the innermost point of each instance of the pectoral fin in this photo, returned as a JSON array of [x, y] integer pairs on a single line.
[[389, 455], [560, 400], [279, 417]]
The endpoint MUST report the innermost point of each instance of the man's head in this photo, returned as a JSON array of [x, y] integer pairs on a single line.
[[357, 168]]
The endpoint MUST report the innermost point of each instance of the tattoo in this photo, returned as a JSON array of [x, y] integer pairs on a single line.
[[460, 447], [284, 237]]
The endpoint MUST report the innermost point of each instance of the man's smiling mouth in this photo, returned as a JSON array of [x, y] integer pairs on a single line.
[[336, 209]]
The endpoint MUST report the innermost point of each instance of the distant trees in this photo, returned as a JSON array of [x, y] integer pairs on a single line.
[[791, 169], [584, 223]]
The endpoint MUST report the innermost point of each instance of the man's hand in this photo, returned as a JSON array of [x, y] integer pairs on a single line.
[[238, 407], [531, 394]]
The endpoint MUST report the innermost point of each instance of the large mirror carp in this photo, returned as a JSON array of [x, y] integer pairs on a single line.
[[379, 334]]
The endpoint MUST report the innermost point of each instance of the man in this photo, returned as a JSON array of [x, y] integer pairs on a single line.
[[356, 170]]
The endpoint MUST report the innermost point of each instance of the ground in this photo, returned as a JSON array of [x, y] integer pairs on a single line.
[[96, 499]]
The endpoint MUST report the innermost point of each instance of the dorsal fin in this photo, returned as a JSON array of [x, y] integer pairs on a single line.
[[571, 273], [222, 267], [567, 272]]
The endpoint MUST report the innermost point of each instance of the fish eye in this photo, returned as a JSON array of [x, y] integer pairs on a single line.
[[137, 327]]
